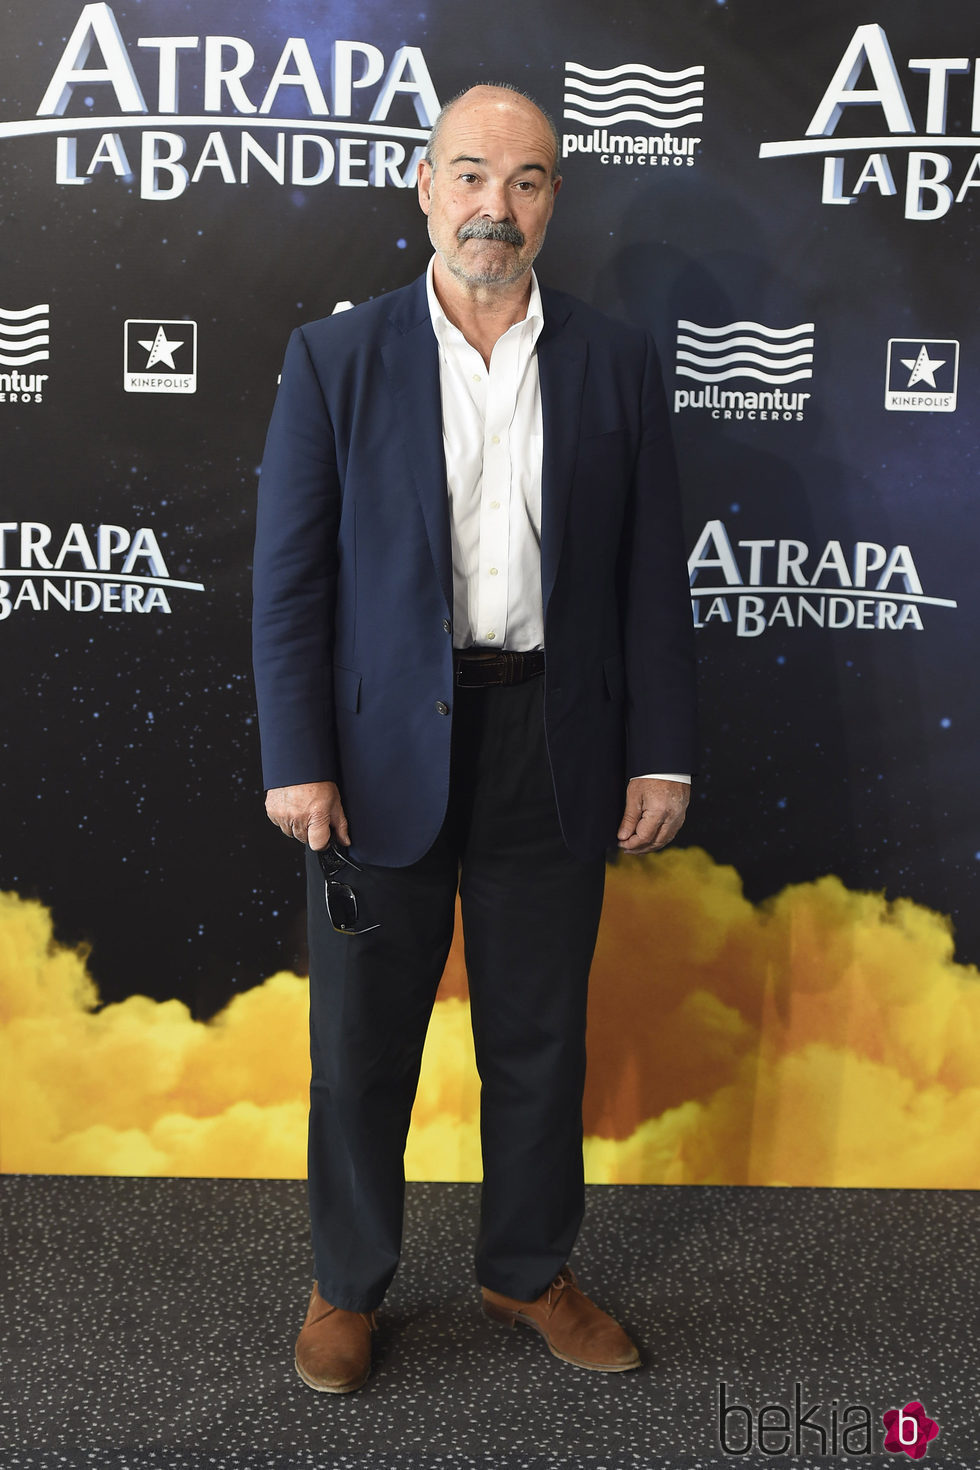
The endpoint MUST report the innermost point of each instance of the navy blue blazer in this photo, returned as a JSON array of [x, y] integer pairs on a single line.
[[353, 585]]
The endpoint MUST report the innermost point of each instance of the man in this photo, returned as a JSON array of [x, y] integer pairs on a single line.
[[472, 624]]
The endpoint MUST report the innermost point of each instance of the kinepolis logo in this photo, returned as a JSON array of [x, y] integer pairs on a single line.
[[785, 584], [663, 100], [921, 375], [927, 194], [113, 570], [198, 82], [774, 356], [24, 340], [159, 356]]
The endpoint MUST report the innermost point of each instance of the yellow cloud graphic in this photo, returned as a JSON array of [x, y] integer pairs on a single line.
[[825, 1037]]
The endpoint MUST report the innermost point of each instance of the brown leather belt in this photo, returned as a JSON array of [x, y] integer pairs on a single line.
[[476, 668]]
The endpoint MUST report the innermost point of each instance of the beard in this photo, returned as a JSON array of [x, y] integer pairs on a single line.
[[499, 269]]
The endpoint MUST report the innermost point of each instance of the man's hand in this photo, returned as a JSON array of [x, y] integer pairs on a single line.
[[654, 814], [311, 813]]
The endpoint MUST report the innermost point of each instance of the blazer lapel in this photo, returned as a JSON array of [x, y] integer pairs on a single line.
[[411, 359], [562, 356]]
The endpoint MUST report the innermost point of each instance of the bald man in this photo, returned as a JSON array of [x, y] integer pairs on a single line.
[[474, 666]]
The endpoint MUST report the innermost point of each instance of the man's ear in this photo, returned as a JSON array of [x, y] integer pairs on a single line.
[[425, 185]]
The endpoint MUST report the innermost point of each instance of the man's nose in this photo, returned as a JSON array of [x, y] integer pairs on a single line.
[[495, 204]]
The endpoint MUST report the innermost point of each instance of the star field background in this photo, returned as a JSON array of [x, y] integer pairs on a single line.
[[131, 796]]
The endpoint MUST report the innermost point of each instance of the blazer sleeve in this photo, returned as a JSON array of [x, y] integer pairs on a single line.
[[658, 628], [295, 580]]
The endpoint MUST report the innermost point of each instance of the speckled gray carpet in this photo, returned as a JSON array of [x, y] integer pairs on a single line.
[[149, 1323]]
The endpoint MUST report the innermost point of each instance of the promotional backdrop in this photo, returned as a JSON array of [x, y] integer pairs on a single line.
[[786, 196]]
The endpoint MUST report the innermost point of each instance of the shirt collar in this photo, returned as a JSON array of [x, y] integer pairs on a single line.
[[447, 332]]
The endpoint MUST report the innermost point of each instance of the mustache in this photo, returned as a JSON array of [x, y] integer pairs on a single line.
[[486, 229]]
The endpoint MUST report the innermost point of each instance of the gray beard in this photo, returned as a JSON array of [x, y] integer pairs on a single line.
[[502, 232], [486, 278]]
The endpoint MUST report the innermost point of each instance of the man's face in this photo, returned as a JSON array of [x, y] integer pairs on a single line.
[[491, 193]]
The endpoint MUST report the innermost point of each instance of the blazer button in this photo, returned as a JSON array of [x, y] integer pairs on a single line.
[[441, 707], [447, 626]]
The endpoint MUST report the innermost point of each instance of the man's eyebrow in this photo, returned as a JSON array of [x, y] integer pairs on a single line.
[[524, 168]]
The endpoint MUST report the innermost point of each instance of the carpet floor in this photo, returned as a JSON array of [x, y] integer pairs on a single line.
[[148, 1324]]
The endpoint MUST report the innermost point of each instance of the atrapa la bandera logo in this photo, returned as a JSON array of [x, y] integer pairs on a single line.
[[172, 111], [868, 84], [774, 357], [84, 569], [775, 583], [607, 101]]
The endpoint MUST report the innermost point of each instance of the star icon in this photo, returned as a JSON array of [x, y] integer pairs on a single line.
[[922, 369], [161, 349]]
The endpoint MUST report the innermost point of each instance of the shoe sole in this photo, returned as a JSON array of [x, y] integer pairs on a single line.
[[330, 1387], [507, 1318]]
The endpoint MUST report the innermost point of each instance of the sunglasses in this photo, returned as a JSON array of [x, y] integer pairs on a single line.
[[341, 898]]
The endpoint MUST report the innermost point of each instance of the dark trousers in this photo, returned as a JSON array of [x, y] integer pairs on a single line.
[[530, 915]]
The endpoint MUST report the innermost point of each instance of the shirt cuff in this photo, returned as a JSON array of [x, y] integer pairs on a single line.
[[662, 776]]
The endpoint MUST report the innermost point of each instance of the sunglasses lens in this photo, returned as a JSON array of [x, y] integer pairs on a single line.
[[341, 905]]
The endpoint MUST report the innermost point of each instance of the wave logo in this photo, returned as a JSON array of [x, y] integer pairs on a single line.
[[633, 93], [22, 333], [24, 339], [773, 356]]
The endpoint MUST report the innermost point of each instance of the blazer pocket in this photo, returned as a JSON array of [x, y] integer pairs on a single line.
[[346, 688], [614, 673]]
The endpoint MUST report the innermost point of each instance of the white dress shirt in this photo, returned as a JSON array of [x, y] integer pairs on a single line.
[[492, 436], [493, 439]]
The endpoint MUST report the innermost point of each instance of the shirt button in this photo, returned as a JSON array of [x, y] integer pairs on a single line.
[[441, 707], [495, 439], [447, 626], [491, 634], [495, 505], [477, 378], [493, 571]]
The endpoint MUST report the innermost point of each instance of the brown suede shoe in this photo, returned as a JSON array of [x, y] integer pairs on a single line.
[[333, 1350], [575, 1329]]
